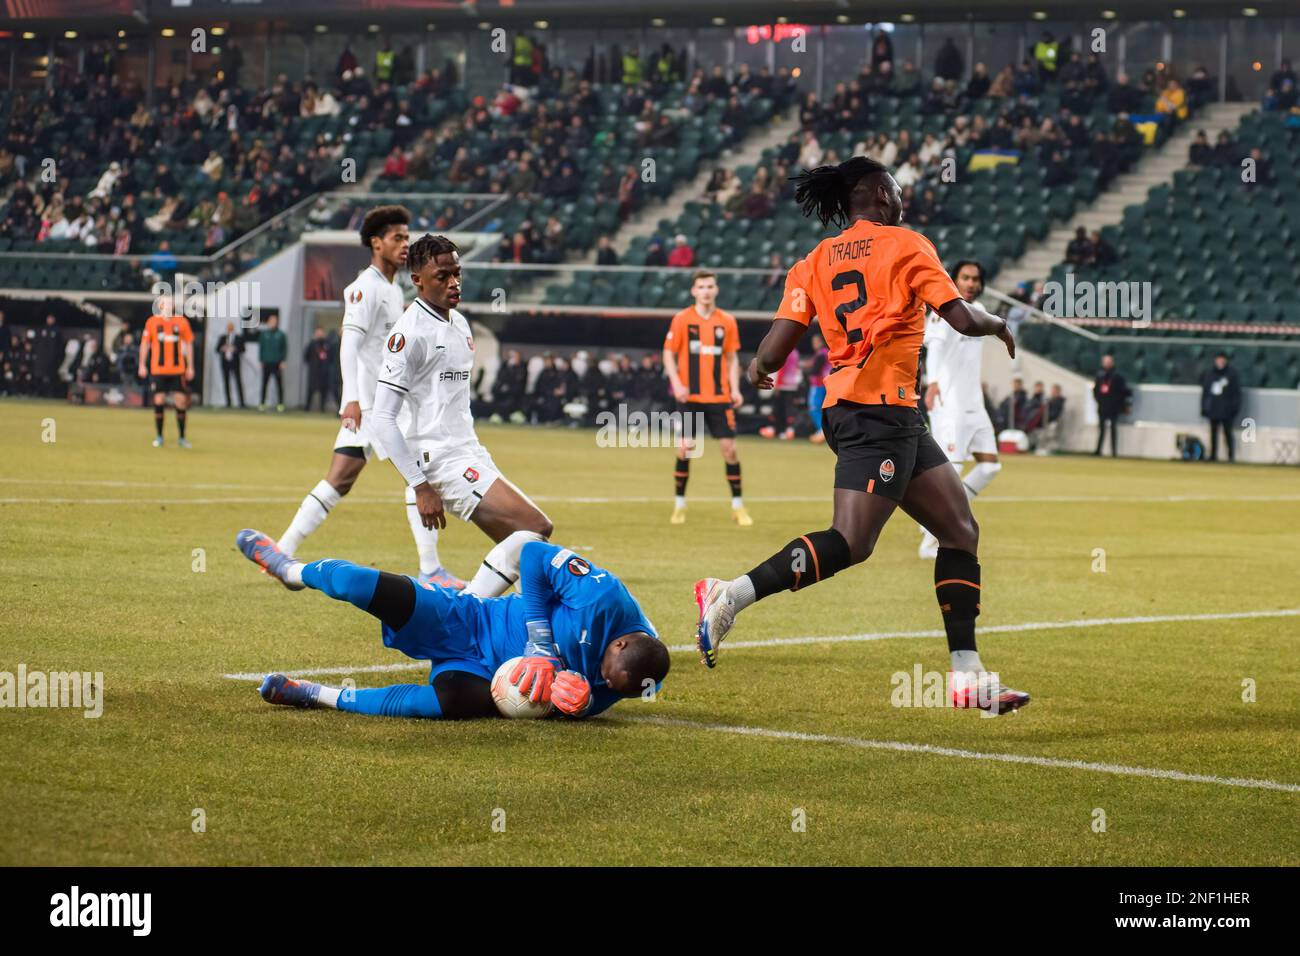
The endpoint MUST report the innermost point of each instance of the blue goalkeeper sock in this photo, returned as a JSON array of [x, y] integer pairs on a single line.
[[400, 700], [342, 580]]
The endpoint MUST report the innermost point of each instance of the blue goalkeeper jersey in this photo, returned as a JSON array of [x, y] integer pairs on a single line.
[[587, 607]]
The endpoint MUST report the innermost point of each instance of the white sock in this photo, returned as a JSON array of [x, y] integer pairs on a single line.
[[741, 593], [329, 697], [966, 661], [313, 510], [737, 501], [500, 569], [426, 539], [978, 478], [293, 573], [679, 501]]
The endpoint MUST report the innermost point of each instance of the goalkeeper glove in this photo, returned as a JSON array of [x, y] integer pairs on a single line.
[[535, 672], [571, 693]]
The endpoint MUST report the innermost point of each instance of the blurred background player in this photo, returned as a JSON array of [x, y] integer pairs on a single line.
[[702, 363], [167, 356], [955, 398], [874, 280], [584, 640], [422, 421], [372, 305]]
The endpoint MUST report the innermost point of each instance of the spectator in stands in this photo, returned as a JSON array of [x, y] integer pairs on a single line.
[[605, 254], [1049, 436], [949, 64], [654, 253], [554, 386], [629, 192], [1263, 168], [758, 204], [1281, 98], [320, 363], [1035, 409], [272, 347], [230, 346], [1283, 74], [979, 84], [1011, 413], [1057, 171], [395, 166], [810, 151], [882, 50], [1226, 151], [1173, 100], [1124, 98], [1200, 153], [909, 173], [1046, 52], [907, 80], [1079, 252], [1221, 403], [47, 354], [1113, 396], [509, 389], [682, 255], [1200, 88], [1103, 253]]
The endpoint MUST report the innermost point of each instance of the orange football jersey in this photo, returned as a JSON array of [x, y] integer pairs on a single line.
[[868, 288], [163, 336], [701, 346]]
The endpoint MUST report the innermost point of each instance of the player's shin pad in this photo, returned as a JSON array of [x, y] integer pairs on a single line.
[[806, 560], [957, 588]]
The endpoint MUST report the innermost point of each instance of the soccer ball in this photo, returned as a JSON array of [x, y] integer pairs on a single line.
[[509, 701]]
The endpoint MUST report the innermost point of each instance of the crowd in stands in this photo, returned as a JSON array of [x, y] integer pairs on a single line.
[[1059, 139], [43, 361], [214, 159], [1282, 95]]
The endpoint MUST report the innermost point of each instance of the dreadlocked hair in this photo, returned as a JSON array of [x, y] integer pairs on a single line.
[[427, 248], [824, 191]]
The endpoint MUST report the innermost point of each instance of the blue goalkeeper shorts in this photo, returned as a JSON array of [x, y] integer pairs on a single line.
[[444, 630]]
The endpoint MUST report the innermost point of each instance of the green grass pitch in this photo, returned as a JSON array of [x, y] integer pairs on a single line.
[[99, 572]]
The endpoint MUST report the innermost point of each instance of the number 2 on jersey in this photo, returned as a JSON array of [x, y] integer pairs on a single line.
[[850, 277]]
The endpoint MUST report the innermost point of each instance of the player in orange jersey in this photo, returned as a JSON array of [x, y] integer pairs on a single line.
[[869, 287], [701, 360], [167, 355]]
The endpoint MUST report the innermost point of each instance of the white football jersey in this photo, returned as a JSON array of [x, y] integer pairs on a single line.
[[953, 360], [372, 305], [430, 357]]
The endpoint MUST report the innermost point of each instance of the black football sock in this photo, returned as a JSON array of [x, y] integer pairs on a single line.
[[806, 560], [158, 419], [733, 478], [180, 421], [957, 587], [681, 474]]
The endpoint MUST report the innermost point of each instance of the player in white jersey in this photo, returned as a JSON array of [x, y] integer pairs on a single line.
[[954, 396], [422, 421], [372, 305]]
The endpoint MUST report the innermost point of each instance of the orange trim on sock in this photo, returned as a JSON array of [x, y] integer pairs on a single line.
[[969, 584], [817, 570]]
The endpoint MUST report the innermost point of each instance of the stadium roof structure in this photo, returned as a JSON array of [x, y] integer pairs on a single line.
[[395, 14]]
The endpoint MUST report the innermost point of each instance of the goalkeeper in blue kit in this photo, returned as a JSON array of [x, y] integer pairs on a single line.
[[584, 639]]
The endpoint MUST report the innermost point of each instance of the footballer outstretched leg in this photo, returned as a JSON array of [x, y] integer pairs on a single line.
[[281, 689], [717, 615], [263, 552]]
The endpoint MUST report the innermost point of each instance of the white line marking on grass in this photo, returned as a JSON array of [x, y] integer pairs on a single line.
[[656, 500], [903, 747], [840, 639]]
